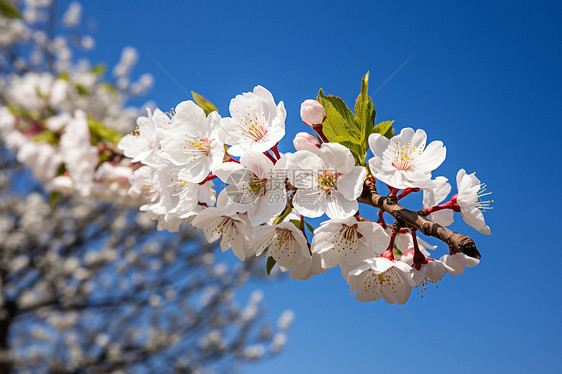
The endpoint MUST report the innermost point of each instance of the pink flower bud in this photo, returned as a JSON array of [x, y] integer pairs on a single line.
[[306, 142], [312, 112]]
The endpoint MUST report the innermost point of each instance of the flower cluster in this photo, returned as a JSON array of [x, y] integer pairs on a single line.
[[267, 196], [64, 121], [60, 140], [67, 127]]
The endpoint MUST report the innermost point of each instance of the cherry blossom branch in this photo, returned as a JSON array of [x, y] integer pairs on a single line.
[[456, 242]]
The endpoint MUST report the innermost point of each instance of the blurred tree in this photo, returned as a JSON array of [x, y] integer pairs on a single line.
[[89, 287]]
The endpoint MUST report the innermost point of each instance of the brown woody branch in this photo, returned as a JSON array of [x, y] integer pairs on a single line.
[[411, 219]]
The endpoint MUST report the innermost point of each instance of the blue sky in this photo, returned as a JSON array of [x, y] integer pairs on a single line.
[[482, 76]]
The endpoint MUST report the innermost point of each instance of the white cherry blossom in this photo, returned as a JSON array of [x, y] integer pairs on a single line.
[[168, 222], [7, 120], [348, 241], [305, 141], [312, 112], [432, 271], [145, 185], [307, 268], [143, 144], [433, 196], [33, 91], [254, 186], [380, 277], [112, 180], [178, 197], [469, 199], [458, 262], [234, 230], [43, 159], [327, 182], [284, 242], [80, 158], [404, 161], [192, 142], [62, 183], [189, 199], [256, 123], [58, 122]]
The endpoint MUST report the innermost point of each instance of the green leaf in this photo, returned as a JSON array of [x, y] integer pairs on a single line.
[[64, 76], [384, 128], [99, 131], [62, 169], [82, 91], [396, 252], [104, 157], [9, 10], [340, 120], [48, 137], [365, 115], [355, 148], [270, 264], [53, 198], [390, 133], [203, 103], [17, 111], [283, 216], [98, 69], [109, 88], [353, 130], [296, 222], [39, 93]]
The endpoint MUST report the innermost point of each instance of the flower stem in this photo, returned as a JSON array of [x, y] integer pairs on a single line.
[[208, 178], [270, 157], [389, 254], [318, 129], [448, 205], [406, 192], [381, 219], [393, 191], [361, 219], [304, 233], [419, 258], [275, 151]]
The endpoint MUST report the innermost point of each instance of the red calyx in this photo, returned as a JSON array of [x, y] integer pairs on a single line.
[[388, 254]]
